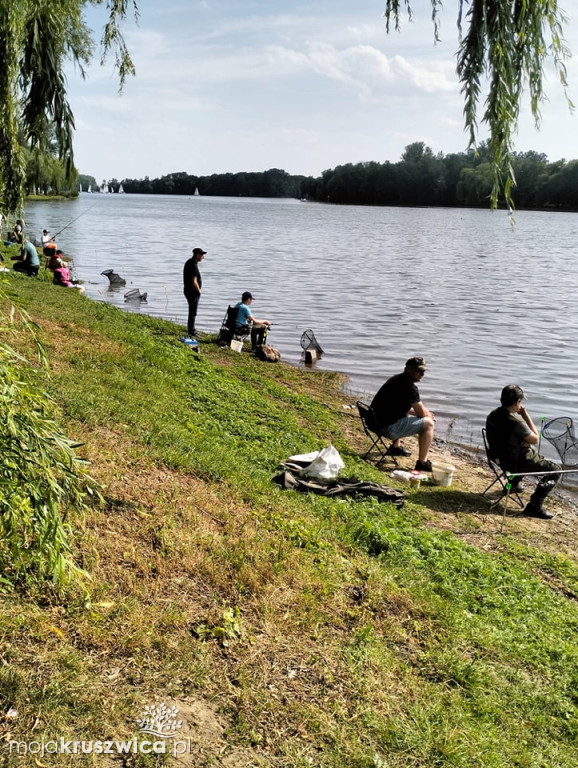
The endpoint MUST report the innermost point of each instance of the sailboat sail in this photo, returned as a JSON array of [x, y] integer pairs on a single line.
[[120, 190]]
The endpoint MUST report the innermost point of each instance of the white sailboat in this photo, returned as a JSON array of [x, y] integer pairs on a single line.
[[120, 190], [89, 189], [80, 187], [197, 193]]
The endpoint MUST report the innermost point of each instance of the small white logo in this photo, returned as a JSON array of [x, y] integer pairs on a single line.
[[160, 721]]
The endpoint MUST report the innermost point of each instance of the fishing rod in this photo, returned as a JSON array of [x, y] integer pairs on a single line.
[[73, 220]]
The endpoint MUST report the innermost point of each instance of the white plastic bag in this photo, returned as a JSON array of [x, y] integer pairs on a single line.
[[303, 458], [325, 466]]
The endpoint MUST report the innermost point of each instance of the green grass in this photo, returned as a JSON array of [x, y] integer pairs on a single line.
[[367, 636]]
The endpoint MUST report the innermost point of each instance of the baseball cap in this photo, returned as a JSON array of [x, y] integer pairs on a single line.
[[198, 251]]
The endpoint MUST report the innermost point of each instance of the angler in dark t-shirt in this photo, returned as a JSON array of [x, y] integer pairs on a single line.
[[192, 284], [399, 412], [512, 436]]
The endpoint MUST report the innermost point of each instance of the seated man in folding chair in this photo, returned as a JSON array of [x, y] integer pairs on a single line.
[[511, 437], [399, 412], [246, 322]]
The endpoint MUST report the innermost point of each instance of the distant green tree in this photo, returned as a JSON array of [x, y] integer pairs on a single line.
[[562, 187], [46, 174], [349, 185], [530, 171], [505, 45], [475, 185], [87, 181], [452, 166], [420, 174], [385, 183], [414, 153]]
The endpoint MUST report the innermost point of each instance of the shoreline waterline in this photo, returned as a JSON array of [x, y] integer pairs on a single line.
[[376, 285]]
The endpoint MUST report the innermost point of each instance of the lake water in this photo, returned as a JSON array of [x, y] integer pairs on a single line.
[[486, 304]]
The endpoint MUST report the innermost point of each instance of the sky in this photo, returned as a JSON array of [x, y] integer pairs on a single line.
[[303, 85]]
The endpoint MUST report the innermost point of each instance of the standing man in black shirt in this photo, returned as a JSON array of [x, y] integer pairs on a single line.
[[399, 412], [192, 283]]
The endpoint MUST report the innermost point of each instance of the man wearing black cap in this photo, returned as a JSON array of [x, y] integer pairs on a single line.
[[192, 283], [512, 436], [399, 412]]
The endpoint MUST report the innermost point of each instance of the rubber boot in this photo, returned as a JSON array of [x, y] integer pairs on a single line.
[[534, 507]]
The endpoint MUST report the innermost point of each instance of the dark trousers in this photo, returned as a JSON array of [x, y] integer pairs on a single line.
[[24, 266], [545, 484], [193, 301], [258, 336]]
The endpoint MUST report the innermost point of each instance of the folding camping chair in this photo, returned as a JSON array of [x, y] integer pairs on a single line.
[[229, 330], [501, 477], [370, 428]]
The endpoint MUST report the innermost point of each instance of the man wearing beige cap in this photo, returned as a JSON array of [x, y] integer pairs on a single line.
[[399, 412]]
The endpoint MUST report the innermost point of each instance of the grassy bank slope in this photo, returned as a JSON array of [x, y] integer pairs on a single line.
[[289, 630]]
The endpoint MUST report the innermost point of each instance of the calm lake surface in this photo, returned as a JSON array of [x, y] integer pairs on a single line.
[[486, 304]]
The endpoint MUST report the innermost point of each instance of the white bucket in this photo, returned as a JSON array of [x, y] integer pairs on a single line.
[[442, 474], [236, 345]]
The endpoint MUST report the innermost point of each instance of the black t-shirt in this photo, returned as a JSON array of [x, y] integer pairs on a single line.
[[394, 399], [190, 271], [506, 435]]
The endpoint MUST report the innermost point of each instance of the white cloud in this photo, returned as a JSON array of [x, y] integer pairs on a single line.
[[223, 85], [425, 79], [364, 67], [108, 105], [365, 32]]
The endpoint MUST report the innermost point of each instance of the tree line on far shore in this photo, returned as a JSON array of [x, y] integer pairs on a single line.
[[271, 183], [419, 178]]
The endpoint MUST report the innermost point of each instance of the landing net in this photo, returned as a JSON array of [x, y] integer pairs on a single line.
[[560, 433], [309, 342]]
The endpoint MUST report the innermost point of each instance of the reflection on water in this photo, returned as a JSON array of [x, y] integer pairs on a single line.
[[485, 304]]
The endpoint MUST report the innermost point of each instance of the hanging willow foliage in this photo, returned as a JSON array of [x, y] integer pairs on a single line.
[[504, 45], [37, 39], [41, 477]]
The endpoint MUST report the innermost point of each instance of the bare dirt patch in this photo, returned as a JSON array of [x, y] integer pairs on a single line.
[[202, 739]]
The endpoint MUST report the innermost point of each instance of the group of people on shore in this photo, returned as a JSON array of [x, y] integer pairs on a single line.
[[28, 260], [512, 436], [245, 322], [399, 412]]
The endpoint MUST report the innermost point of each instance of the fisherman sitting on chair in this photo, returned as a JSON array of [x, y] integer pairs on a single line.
[[246, 322], [399, 412], [511, 437]]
